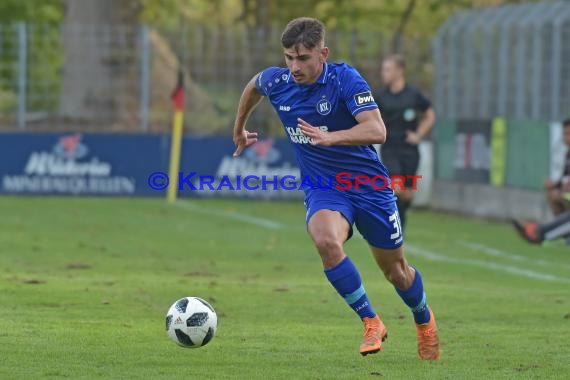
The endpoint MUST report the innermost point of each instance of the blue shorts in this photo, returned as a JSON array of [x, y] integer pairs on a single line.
[[377, 221]]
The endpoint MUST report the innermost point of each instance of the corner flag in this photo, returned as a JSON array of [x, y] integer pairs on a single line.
[[176, 138]]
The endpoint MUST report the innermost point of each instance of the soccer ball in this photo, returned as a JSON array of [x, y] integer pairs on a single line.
[[191, 322]]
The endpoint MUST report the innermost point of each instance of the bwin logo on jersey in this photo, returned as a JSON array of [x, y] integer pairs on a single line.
[[285, 108], [324, 107], [363, 98]]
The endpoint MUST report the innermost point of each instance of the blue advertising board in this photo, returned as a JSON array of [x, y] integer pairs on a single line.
[[266, 163], [120, 165], [80, 164]]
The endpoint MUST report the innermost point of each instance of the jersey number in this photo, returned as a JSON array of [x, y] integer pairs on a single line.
[[395, 219]]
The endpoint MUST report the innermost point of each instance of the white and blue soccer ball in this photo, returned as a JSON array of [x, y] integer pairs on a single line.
[[191, 322]]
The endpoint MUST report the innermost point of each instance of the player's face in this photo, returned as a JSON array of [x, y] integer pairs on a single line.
[[390, 72], [305, 64], [566, 135]]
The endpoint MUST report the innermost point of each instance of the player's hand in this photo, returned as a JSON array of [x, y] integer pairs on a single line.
[[412, 138], [548, 184], [243, 140], [318, 136]]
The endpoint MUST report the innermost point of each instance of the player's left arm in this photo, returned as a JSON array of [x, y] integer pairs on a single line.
[[427, 120], [426, 125], [369, 130]]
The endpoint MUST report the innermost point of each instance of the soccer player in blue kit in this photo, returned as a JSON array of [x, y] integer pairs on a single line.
[[332, 120]]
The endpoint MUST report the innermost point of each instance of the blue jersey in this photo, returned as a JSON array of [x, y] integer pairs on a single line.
[[331, 103]]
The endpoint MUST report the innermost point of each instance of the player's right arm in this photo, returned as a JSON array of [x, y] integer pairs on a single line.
[[249, 99]]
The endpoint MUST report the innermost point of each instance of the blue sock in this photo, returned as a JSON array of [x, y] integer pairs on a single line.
[[415, 298], [347, 282]]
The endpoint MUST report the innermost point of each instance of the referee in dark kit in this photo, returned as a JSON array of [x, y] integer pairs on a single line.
[[409, 117]]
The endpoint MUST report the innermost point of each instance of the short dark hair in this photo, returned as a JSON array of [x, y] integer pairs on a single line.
[[306, 31], [566, 123], [397, 59]]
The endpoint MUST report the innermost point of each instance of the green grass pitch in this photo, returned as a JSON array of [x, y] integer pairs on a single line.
[[85, 285]]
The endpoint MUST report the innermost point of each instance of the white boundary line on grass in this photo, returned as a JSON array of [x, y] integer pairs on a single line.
[[256, 221], [491, 251], [414, 250], [420, 252]]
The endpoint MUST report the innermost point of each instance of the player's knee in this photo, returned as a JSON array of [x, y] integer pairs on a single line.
[[327, 243], [330, 250]]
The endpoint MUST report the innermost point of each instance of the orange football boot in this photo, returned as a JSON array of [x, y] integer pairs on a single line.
[[428, 339], [374, 334], [528, 231]]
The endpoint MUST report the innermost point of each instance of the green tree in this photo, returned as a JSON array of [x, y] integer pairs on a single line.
[[36, 14], [398, 17], [38, 11]]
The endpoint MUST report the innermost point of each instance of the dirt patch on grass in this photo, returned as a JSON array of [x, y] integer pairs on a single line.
[[282, 288], [78, 265], [200, 273], [33, 281]]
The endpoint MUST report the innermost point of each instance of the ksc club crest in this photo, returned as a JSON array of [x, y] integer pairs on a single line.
[[324, 107]]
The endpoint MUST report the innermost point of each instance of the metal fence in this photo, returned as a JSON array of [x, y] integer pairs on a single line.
[[72, 77], [511, 61], [120, 78]]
